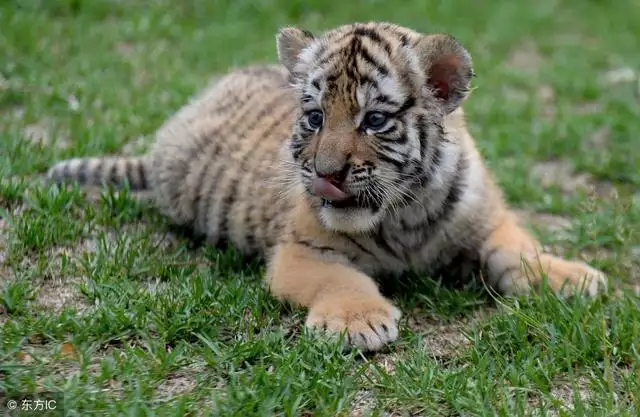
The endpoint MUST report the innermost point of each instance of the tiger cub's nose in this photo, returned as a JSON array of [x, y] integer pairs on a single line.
[[335, 177]]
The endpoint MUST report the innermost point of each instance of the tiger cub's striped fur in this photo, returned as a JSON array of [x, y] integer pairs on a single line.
[[349, 160]]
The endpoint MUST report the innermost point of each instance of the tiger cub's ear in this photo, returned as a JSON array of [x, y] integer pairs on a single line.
[[290, 42], [448, 68]]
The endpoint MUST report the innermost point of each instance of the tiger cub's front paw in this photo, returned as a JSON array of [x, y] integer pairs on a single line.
[[369, 321]]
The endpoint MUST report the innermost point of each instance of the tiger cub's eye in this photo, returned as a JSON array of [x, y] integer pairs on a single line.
[[315, 119], [375, 120]]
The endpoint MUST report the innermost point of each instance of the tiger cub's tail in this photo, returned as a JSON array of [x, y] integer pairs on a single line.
[[100, 171]]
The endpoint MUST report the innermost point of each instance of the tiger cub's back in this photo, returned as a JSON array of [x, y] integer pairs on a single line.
[[217, 165]]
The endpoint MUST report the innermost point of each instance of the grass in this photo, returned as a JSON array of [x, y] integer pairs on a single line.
[[102, 300]]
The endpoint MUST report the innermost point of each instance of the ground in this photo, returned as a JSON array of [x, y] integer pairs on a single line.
[[101, 299]]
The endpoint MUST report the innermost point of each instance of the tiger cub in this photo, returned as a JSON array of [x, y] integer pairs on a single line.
[[349, 160]]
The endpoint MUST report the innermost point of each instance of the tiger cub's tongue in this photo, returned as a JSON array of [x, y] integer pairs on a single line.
[[324, 189]]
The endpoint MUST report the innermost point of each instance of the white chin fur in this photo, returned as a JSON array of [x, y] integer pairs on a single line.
[[351, 220]]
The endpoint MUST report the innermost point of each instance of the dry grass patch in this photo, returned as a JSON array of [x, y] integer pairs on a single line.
[[526, 58], [58, 293], [560, 174], [363, 404], [177, 383], [4, 237], [447, 342], [44, 133], [562, 396], [548, 222]]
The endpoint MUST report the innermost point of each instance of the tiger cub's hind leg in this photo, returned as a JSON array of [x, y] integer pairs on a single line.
[[515, 263]]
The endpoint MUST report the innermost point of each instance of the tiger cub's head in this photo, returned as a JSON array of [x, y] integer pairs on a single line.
[[372, 101]]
